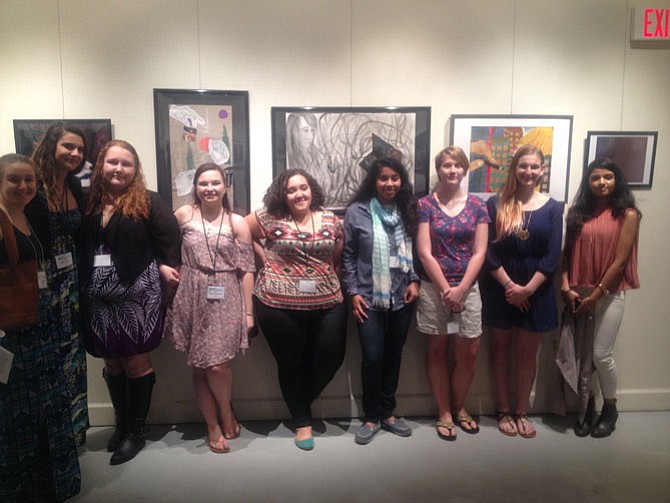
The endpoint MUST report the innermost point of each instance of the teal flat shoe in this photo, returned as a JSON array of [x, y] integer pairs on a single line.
[[305, 445]]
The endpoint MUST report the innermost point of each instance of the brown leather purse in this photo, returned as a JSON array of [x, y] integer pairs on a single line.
[[18, 283]]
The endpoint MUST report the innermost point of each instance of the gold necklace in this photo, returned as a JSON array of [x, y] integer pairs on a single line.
[[524, 233]]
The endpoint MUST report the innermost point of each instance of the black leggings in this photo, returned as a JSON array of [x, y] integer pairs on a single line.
[[308, 347]]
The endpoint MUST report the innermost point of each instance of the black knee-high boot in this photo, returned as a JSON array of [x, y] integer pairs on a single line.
[[139, 400], [607, 420], [116, 384]]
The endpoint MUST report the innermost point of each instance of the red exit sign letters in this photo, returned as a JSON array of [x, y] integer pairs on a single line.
[[651, 24]]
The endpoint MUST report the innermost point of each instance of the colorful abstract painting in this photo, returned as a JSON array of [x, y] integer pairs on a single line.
[[491, 141]]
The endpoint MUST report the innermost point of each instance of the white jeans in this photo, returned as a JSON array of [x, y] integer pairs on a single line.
[[607, 320]]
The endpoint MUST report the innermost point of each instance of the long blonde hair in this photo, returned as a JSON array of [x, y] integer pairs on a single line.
[[134, 203], [509, 219]]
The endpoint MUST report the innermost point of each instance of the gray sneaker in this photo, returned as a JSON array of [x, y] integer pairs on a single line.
[[400, 427], [365, 433]]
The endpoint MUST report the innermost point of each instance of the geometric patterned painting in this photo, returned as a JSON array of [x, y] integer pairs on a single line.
[[490, 142]]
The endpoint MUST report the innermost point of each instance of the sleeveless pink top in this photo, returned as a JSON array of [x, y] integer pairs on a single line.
[[594, 252]]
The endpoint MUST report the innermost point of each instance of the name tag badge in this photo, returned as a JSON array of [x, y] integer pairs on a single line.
[[102, 260], [42, 280], [6, 358], [215, 292], [64, 260], [453, 327], [307, 286], [394, 262]]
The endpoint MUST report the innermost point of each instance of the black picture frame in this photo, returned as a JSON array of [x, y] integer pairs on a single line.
[[634, 152], [337, 144], [490, 141], [28, 132], [194, 126]]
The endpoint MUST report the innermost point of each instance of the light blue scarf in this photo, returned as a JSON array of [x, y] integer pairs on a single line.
[[387, 217]]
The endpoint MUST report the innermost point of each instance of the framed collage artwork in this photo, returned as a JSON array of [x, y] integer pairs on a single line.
[[198, 126]]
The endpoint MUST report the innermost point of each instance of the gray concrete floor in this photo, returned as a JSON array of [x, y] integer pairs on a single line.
[[264, 465]]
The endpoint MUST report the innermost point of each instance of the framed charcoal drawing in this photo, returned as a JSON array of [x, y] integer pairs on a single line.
[[198, 126], [28, 132], [633, 151], [337, 145], [490, 142]]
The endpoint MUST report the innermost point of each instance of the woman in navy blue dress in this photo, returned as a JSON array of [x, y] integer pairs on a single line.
[[517, 291]]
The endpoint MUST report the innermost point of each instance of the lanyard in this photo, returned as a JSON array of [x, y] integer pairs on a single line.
[[62, 202], [212, 257], [33, 236]]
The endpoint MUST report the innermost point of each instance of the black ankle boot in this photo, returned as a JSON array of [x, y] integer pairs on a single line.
[[583, 429], [606, 422], [116, 384], [139, 400]]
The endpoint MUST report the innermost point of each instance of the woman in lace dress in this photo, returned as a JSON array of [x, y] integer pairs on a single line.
[[212, 311]]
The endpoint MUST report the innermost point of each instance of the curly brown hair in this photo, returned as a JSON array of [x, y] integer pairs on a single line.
[[134, 203], [275, 196]]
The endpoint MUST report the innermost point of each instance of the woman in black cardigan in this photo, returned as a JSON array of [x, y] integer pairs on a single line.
[[131, 246]]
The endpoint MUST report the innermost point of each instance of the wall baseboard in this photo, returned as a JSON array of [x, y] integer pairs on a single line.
[[250, 409]]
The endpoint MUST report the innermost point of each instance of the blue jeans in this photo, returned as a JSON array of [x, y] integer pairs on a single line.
[[308, 347], [382, 338]]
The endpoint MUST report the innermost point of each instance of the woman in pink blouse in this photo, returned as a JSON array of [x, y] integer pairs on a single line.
[[297, 297], [599, 265]]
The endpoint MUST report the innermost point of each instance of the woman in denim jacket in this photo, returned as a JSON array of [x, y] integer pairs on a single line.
[[379, 278]]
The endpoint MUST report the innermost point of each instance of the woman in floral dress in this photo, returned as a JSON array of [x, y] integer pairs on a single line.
[[212, 311]]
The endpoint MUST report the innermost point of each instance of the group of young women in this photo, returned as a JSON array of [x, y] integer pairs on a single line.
[[110, 265]]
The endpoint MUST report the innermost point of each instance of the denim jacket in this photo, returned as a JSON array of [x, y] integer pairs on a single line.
[[357, 258]]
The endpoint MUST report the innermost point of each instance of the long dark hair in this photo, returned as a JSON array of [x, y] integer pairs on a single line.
[[275, 196], [405, 200], [44, 153], [583, 207]]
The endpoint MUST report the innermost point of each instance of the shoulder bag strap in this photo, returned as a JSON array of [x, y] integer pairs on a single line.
[[9, 238]]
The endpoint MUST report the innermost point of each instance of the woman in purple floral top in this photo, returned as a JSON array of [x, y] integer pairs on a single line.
[[451, 241]]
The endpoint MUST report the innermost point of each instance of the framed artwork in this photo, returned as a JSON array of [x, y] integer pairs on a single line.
[[633, 151], [28, 132], [490, 142], [338, 145], [197, 126]]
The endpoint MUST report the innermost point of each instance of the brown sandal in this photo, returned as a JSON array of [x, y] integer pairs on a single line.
[[506, 418], [522, 425]]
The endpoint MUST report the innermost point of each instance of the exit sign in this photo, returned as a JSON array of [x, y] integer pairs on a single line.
[[651, 24]]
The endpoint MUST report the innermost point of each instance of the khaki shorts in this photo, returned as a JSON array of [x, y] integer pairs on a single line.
[[434, 318]]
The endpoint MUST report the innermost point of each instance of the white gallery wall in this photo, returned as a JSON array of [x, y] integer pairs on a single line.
[[102, 59]]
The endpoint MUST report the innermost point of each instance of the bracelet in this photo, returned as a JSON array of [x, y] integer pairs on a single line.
[[250, 314], [507, 283], [603, 289]]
